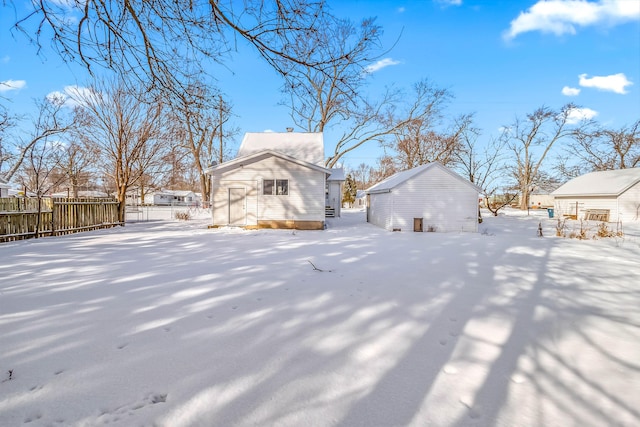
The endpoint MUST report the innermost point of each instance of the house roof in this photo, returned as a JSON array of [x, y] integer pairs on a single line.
[[307, 146], [261, 155], [337, 174], [602, 183], [393, 181]]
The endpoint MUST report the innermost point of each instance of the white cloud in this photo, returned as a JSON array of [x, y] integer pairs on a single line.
[[8, 85], [6, 59], [450, 2], [576, 115], [570, 91], [562, 16], [71, 96], [386, 62], [613, 83]]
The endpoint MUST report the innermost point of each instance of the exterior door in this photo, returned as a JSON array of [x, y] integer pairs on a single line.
[[237, 206]]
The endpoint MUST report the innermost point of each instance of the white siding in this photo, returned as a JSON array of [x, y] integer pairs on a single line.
[[305, 201], [444, 202], [567, 206], [379, 210], [334, 196], [629, 204]]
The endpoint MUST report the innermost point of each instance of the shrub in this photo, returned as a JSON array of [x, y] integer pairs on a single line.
[[182, 215]]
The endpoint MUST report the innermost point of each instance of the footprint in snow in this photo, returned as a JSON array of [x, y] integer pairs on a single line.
[[123, 345], [58, 372], [32, 418]]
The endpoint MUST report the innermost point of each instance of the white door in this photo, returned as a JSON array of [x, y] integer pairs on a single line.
[[237, 206]]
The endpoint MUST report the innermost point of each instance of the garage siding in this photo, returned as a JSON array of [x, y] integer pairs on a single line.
[[444, 201], [379, 210], [567, 206], [629, 203]]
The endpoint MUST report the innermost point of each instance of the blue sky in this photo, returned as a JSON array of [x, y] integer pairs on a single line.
[[500, 59]]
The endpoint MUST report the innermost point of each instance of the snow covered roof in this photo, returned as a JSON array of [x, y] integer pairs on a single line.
[[603, 183], [305, 146], [394, 180], [337, 174]]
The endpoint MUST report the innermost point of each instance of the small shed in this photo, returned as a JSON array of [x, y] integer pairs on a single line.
[[430, 197], [608, 196]]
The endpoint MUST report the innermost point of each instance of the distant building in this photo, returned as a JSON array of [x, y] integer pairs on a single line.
[[609, 196]]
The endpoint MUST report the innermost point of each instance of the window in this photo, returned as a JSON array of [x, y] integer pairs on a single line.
[[282, 187], [278, 187]]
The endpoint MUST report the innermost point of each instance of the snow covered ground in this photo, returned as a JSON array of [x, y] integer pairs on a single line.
[[168, 323]]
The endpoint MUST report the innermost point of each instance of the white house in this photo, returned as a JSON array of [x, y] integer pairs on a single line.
[[430, 197], [277, 180], [333, 194], [4, 189], [171, 198], [603, 196], [361, 199]]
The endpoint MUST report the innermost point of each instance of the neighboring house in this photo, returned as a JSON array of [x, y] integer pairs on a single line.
[[540, 200], [361, 199], [4, 189], [610, 196], [171, 198], [430, 197], [333, 197], [277, 180]]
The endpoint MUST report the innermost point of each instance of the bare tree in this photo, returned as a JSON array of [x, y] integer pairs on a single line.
[[37, 173], [333, 94], [76, 164], [385, 168], [127, 131], [362, 176], [200, 126], [419, 142], [486, 168], [165, 42], [49, 121], [595, 149], [530, 141]]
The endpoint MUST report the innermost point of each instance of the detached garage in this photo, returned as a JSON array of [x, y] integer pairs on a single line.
[[609, 196], [430, 197]]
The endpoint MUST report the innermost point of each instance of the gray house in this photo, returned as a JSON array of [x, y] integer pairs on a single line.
[[430, 197], [602, 196]]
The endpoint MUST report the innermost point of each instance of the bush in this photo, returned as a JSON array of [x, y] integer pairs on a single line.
[[182, 215]]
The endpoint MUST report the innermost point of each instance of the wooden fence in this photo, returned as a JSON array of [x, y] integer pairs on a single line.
[[21, 219]]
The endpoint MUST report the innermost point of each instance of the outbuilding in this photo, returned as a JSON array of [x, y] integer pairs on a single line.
[[430, 197], [608, 196]]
